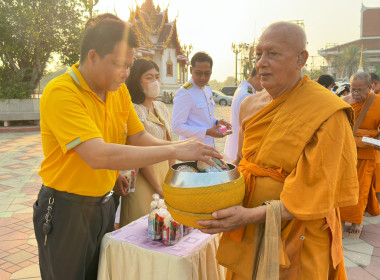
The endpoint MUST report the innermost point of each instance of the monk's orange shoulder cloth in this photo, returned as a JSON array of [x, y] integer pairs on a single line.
[[274, 142]]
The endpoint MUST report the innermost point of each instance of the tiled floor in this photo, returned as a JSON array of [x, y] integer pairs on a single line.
[[20, 158]]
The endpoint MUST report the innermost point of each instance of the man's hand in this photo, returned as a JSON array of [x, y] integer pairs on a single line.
[[226, 124], [214, 132], [192, 149], [121, 187], [227, 220]]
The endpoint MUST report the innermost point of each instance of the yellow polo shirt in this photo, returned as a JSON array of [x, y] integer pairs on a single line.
[[71, 113]]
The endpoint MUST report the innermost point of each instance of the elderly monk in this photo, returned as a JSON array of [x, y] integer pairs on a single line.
[[298, 159], [375, 80], [369, 126]]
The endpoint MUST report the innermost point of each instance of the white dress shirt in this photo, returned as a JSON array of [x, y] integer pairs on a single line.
[[244, 90], [193, 112]]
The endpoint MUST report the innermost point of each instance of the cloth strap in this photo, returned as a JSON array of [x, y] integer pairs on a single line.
[[364, 111], [251, 171], [267, 244]]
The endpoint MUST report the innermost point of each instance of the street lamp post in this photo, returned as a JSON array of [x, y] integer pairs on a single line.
[[187, 49], [236, 50]]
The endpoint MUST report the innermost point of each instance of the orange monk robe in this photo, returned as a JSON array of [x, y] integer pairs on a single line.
[[366, 165], [377, 173], [306, 131], [377, 176]]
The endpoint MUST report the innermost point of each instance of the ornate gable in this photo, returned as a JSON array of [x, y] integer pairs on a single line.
[[154, 29]]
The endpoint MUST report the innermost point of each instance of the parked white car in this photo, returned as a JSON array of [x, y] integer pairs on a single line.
[[221, 99]]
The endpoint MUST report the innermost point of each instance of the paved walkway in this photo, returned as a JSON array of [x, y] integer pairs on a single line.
[[20, 158]]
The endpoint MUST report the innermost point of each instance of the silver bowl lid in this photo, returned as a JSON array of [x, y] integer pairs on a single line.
[[181, 179]]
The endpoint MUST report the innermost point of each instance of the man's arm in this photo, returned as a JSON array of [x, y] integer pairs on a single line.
[[100, 155], [144, 138], [360, 133]]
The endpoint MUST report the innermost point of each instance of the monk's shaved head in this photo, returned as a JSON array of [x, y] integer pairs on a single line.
[[291, 34], [280, 55], [362, 76]]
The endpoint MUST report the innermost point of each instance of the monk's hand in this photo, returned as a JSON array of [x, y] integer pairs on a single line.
[[225, 123], [226, 220], [192, 149]]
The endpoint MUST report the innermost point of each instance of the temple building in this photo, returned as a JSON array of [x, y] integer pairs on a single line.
[[369, 41], [159, 42]]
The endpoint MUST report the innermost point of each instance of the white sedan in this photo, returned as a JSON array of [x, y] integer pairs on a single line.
[[221, 99]]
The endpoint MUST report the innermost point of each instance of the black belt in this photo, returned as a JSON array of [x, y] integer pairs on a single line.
[[78, 198]]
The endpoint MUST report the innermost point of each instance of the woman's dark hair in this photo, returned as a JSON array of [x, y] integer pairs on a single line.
[[201, 57], [139, 67], [326, 80]]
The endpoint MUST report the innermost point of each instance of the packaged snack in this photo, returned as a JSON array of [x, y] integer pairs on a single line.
[[224, 130], [371, 141], [220, 163], [212, 169], [130, 175], [152, 224], [153, 205], [202, 166], [186, 168], [171, 231], [186, 230], [161, 204], [155, 223], [132, 181], [159, 222]]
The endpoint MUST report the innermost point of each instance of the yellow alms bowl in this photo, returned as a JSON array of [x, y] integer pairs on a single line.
[[205, 200], [186, 218], [191, 197]]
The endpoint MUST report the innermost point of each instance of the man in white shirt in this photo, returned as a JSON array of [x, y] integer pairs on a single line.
[[193, 109], [245, 89]]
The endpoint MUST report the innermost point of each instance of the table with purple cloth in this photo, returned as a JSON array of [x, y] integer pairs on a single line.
[[127, 253]]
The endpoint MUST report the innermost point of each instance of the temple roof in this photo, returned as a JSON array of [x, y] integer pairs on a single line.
[[153, 27], [369, 44]]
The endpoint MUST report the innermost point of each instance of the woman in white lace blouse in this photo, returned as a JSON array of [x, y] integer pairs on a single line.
[[144, 86]]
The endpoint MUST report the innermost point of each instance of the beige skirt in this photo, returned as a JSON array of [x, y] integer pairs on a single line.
[[137, 204]]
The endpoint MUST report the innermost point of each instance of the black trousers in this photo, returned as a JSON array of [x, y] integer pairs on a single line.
[[78, 226]]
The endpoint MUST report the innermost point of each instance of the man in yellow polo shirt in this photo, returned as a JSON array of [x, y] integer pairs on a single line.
[[87, 117]]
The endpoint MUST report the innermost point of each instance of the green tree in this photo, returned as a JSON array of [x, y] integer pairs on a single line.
[[313, 74], [215, 84], [229, 82], [377, 70], [347, 62], [89, 5], [30, 32]]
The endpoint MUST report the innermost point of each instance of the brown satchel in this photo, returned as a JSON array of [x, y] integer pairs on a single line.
[[362, 114]]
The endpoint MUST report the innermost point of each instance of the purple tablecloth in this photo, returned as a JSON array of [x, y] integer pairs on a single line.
[[137, 233], [128, 254]]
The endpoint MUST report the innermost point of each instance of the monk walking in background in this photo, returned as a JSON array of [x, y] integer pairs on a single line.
[[299, 163], [375, 80], [367, 121]]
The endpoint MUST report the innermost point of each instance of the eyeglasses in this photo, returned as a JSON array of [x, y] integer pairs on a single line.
[[200, 74]]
